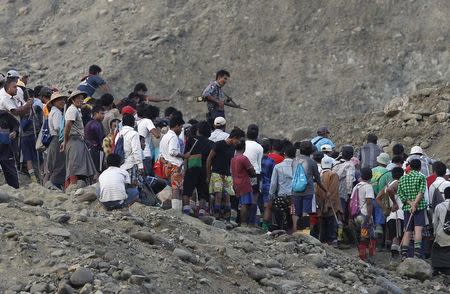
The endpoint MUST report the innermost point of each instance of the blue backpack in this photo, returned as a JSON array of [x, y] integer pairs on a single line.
[[46, 137], [119, 150], [299, 180]]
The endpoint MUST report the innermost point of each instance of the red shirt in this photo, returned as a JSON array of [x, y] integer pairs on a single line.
[[240, 166], [431, 179], [276, 157]]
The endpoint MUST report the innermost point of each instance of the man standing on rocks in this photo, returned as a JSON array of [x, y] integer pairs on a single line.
[[214, 96], [94, 134], [369, 152], [172, 158], [90, 83], [280, 191], [254, 152], [218, 172], [411, 189], [79, 164]]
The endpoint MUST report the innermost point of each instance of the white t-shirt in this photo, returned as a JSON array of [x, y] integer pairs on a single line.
[[440, 183], [399, 214], [112, 184], [218, 135], [365, 192], [254, 152], [145, 126], [8, 102]]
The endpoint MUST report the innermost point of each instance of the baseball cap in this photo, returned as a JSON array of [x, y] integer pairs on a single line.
[[327, 162], [326, 148], [323, 129], [416, 150], [12, 74], [128, 110], [219, 121]]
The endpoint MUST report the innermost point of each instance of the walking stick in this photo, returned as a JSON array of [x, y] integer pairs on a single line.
[[33, 116]]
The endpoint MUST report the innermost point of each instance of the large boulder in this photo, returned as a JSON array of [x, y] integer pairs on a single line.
[[415, 268], [396, 105]]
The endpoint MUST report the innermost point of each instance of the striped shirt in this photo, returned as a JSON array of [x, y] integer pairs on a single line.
[[112, 184], [368, 155]]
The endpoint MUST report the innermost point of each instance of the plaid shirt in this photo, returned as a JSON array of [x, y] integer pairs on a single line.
[[409, 186]]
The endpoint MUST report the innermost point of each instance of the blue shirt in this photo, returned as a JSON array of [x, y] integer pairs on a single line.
[[267, 165], [90, 84], [319, 141]]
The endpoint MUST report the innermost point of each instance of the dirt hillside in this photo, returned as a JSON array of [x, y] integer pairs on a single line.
[[293, 63]]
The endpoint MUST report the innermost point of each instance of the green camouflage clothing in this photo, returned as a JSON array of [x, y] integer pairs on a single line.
[[409, 186]]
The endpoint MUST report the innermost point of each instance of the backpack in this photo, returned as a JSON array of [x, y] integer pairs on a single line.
[[299, 180], [119, 149], [46, 138], [446, 226], [437, 197], [353, 206]]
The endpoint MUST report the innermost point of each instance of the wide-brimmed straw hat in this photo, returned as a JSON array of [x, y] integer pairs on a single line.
[[77, 93], [55, 96]]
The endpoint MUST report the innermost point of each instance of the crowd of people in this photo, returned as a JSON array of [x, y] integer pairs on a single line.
[[342, 196]]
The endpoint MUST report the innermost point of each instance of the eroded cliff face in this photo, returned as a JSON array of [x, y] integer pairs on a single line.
[[293, 63]]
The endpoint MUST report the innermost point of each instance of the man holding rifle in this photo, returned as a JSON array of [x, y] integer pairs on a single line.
[[215, 97]]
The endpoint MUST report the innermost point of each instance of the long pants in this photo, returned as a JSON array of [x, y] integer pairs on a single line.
[[328, 229], [10, 172]]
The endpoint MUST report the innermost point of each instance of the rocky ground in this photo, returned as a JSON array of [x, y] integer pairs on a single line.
[[56, 243]]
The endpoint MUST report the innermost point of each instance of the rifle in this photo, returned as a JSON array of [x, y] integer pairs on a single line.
[[229, 100]]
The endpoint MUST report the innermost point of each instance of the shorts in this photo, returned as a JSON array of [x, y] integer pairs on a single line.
[[246, 199], [417, 220], [195, 178], [393, 230], [28, 148], [174, 174], [219, 183], [301, 204], [366, 229]]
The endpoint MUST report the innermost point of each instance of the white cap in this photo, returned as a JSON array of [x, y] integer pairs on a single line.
[[327, 162], [219, 121], [12, 74], [416, 150], [326, 148], [447, 172]]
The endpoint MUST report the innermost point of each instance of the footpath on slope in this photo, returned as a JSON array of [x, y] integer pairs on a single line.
[[57, 243]]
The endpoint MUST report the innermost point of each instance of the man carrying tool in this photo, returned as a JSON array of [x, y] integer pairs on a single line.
[[215, 97], [411, 189]]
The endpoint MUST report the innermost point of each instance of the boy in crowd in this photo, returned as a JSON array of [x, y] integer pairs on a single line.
[[394, 221], [280, 192], [330, 206], [94, 135], [364, 220], [267, 166], [241, 171], [218, 171], [114, 186]]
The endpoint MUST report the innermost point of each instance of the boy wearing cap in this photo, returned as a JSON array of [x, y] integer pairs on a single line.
[[329, 205], [79, 164], [219, 133], [322, 138], [381, 177]]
